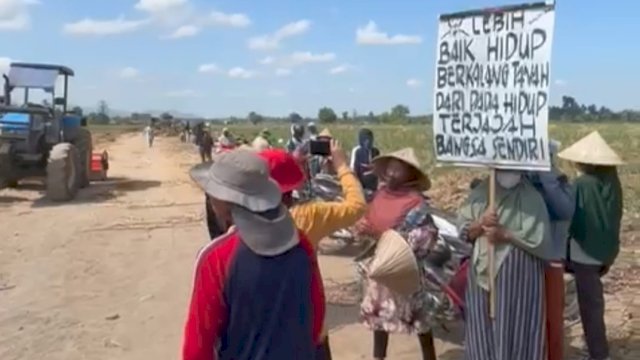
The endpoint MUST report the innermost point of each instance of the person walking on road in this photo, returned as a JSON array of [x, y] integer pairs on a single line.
[[149, 135], [206, 147], [594, 233], [257, 291], [317, 219]]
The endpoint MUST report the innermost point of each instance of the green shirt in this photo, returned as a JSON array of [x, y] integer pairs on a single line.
[[596, 221]]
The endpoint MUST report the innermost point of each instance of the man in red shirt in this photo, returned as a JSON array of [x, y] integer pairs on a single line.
[[257, 292]]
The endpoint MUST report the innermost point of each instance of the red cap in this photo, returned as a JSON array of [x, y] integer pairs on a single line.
[[284, 169]]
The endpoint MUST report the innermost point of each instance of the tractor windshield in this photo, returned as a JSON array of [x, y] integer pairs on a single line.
[[32, 86], [33, 78]]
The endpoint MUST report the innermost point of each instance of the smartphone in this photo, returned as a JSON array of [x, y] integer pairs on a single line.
[[320, 146]]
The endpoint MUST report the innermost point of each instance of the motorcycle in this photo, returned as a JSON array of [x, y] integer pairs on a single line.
[[446, 267]]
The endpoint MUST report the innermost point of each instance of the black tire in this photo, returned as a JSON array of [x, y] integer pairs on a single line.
[[62, 178], [84, 144]]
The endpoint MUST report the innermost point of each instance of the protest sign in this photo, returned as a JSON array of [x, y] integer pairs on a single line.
[[491, 94]]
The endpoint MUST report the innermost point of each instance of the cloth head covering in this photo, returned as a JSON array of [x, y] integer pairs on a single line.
[[394, 264], [239, 177], [365, 134], [284, 169], [297, 131], [407, 156], [591, 149]]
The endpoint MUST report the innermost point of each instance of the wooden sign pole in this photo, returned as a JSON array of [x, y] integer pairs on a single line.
[[492, 255]]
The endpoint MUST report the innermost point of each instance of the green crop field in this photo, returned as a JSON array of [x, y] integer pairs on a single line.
[[450, 184]]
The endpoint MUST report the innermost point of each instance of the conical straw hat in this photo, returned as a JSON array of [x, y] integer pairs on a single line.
[[408, 156], [394, 265], [325, 132], [591, 149]]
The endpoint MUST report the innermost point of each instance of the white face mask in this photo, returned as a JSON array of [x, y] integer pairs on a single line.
[[508, 179]]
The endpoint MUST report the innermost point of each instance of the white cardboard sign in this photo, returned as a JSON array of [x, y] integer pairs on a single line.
[[491, 95]]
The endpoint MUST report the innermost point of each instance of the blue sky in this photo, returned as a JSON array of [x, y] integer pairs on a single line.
[[222, 58]]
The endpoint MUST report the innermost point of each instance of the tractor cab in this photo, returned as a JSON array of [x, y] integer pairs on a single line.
[[40, 137], [37, 123], [29, 77]]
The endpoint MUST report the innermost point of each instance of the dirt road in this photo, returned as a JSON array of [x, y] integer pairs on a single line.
[[108, 275]]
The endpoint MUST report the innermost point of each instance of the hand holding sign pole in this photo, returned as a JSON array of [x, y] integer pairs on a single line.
[[492, 91]]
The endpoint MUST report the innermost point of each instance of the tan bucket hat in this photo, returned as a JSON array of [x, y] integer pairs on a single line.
[[408, 156], [591, 149], [394, 265]]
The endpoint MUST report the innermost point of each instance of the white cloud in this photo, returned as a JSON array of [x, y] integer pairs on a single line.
[[229, 20], [209, 68], [184, 31], [371, 35], [129, 72], [14, 14], [92, 27], [186, 93], [282, 72], [171, 13], [272, 41], [305, 57], [267, 60], [160, 6], [560, 82], [240, 73], [339, 69], [414, 83]]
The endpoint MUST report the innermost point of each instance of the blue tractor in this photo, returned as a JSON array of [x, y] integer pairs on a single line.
[[42, 139]]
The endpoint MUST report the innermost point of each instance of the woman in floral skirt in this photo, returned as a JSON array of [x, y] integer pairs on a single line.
[[400, 205]]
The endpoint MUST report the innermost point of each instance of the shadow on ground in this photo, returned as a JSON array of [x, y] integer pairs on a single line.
[[6, 200], [99, 191]]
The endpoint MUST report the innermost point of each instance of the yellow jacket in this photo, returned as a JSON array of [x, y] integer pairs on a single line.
[[319, 219]]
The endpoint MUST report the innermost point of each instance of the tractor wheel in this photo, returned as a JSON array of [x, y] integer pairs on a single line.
[[84, 144], [62, 172]]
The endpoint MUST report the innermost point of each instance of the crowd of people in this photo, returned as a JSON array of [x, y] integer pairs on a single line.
[[258, 293]]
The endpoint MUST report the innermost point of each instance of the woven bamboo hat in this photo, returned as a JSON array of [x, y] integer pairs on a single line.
[[591, 149], [407, 156], [394, 265]]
